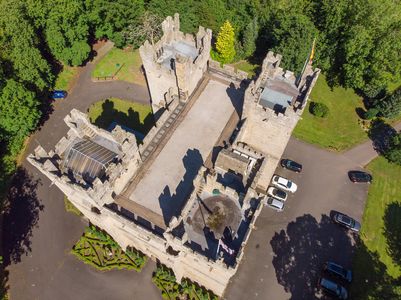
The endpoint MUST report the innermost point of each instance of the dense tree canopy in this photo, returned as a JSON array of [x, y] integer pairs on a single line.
[[67, 31]]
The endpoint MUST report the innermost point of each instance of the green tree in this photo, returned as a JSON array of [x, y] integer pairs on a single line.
[[19, 113], [393, 154], [390, 106], [110, 18], [67, 31], [20, 46], [293, 37], [225, 44], [250, 36]]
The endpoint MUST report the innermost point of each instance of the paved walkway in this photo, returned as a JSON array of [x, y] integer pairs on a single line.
[[43, 233], [364, 153]]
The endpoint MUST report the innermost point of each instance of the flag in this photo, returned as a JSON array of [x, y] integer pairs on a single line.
[[312, 52], [225, 247]]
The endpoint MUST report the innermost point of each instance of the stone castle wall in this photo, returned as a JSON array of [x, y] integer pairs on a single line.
[[163, 82]]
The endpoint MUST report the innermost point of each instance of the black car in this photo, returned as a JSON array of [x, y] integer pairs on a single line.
[[291, 165], [359, 176], [338, 271], [333, 289], [346, 221]]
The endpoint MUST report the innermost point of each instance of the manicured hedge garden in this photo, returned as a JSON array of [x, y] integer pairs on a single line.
[[99, 250], [165, 280]]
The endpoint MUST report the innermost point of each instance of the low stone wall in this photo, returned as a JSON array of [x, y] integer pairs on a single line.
[[227, 71]]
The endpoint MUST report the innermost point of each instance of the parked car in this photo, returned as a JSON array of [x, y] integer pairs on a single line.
[[284, 183], [277, 193], [346, 221], [359, 176], [275, 204], [291, 165], [330, 287], [338, 271], [59, 94]]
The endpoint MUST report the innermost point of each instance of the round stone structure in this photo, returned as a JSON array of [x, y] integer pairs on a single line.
[[216, 213]]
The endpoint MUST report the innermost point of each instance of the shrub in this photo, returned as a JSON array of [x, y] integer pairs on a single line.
[[319, 109], [371, 113]]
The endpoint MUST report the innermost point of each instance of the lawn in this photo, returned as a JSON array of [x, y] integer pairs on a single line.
[[135, 116], [124, 64], [99, 250], [373, 265], [340, 130], [65, 78], [246, 66]]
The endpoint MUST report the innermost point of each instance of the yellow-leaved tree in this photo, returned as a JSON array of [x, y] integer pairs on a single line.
[[225, 44]]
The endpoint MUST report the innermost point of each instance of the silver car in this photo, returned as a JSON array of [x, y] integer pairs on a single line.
[[277, 193], [275, 204]]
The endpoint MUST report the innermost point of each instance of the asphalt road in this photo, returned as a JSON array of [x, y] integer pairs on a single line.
[[285, 252]]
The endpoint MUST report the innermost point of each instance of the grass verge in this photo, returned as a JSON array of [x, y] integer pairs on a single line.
[[246, 66], [340, 129], [124, 64], [377, 276], [66, 78], [133, 115]]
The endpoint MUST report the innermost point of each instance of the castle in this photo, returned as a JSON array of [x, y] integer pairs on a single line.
[[189, 193]]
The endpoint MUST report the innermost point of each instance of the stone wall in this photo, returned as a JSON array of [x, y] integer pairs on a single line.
[[227, 71]]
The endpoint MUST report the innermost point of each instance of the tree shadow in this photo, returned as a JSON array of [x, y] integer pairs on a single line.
[[360, 112], [131, 120], [21, 215], [370, 279], [301, 250], [392, 231], [171, 204], [381, 134]]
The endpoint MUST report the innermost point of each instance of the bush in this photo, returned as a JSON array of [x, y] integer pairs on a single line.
[[370, 113], [319, 109]]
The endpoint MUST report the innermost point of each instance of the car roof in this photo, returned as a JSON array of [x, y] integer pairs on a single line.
[[328, 284], [274, 202]]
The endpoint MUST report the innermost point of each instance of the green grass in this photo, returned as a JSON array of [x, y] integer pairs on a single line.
[[340, 130], [130, 114], [65, 78], [385, 189], [69, 207], [246, 66], [375, 272], [124, 64]]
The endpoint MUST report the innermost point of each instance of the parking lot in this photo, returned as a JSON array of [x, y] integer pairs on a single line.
[[286, 251]]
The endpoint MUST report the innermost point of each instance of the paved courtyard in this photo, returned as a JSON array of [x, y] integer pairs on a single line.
[[185, 152], [285, 252]]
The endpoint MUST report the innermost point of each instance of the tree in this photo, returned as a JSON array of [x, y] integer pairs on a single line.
[[148, 29], [393, 153], [67, 31], [250, 36], [225, 44], [293, 37], [390, 106], [110, 18], [19, 113], [21, 46]]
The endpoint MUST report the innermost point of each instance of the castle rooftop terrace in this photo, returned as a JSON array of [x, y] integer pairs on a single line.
[[168, 181]]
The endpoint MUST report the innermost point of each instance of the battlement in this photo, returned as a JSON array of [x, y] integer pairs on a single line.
[[175, 64]]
